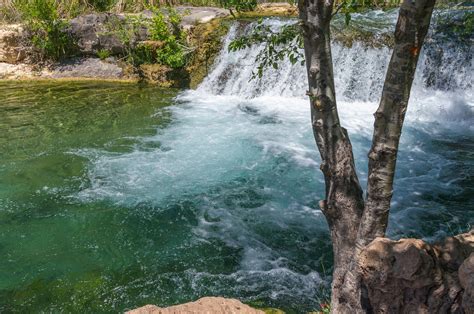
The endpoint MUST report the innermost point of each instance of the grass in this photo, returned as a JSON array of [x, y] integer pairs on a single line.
[[68, 9]]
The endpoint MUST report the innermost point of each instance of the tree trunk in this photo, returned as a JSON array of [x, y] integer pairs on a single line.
[[353, 225], [412, 26], [344, 200]]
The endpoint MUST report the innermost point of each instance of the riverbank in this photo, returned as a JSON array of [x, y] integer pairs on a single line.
[[105, 42]]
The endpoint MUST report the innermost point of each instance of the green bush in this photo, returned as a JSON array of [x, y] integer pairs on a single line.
[[239, 5], [169, 33], [48, 32], [101, 5]]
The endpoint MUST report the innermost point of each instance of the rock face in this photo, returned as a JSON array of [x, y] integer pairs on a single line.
[[86, 68], [93, 33], [466, 278], [11, 50], [208, 305], [411, 276]]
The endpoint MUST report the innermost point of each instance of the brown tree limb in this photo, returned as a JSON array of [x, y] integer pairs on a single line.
[[412, 27]]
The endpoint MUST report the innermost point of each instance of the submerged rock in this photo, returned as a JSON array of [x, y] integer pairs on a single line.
[[412, 276], [210, 305]]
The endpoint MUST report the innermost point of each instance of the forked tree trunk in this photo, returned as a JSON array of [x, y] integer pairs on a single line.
[[353, 224]]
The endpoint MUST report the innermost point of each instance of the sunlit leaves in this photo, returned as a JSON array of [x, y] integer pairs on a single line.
[[278, 45]]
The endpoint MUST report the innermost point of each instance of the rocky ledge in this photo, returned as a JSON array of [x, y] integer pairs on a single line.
[[412, 276], [92, 35], [210, 305]]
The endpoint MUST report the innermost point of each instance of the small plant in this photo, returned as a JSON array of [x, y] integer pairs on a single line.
[[103, 54], [324, 308], [47, 30]]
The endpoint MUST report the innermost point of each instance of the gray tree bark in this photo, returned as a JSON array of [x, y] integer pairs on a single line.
[[412, 26], [343, 204], [354, 223]]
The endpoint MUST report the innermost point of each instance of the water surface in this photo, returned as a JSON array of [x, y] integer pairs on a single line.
[[113, 196]]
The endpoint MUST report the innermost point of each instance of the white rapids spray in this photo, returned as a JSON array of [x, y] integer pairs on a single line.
[[243, 152]]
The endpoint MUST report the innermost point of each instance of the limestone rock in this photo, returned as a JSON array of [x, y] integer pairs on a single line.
[[98, 31], [86, 68], [11, 50], [412, 276], [466, 278], [196, 15], [208, 305], [277, 8]]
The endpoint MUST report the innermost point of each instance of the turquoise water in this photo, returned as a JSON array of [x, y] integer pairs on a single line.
[[114, 195], [66, 249]]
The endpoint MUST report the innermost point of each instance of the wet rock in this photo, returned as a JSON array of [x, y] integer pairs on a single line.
[[163, 75], [412, 276], [210, 305]]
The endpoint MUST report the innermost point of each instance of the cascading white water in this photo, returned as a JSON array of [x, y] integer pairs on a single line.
[[242, 154]]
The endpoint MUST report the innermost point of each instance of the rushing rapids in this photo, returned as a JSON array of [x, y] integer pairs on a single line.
[[222, 198], [242, 153]]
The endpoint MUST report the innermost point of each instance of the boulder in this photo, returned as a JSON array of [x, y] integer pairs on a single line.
[[412, 276], [209, 305], [86, 68], [102, 31], [466, 278], [11, 50]]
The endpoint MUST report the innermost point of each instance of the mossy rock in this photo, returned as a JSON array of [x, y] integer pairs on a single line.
[[163, 75], [206, 39]]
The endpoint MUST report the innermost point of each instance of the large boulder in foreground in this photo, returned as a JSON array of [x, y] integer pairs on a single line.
[[411, 276], [209, 305]]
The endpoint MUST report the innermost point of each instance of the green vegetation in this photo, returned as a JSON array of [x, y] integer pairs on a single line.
[[166, 44], [239, 5], [461, 28], [278, 45], [9, 11], [103, 54], [47, 30], [172, 38], [101, 5]]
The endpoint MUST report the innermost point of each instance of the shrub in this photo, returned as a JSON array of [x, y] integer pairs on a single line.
[[169, 33], [48, 32]]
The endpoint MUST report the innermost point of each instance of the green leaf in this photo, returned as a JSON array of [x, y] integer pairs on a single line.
[[347, 18]]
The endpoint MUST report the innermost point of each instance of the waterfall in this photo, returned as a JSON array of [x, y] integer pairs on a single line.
[[445, 68], [239, 161]]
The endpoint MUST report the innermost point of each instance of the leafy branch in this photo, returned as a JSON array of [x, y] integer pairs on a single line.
[[286, 42]]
